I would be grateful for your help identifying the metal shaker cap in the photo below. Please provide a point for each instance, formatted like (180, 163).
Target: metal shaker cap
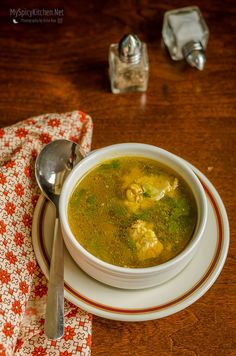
(130, 49)
(194, 54)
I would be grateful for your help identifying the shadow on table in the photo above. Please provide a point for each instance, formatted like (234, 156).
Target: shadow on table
(88, 74)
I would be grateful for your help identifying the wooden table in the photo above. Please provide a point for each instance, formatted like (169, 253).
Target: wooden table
(63, 67)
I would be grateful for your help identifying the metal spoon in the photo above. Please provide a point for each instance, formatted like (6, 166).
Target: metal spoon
(52, 166)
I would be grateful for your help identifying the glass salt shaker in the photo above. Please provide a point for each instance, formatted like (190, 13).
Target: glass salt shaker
(128, 65)
(186, 34)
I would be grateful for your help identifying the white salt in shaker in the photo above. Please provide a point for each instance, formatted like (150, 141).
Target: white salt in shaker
(185, 34)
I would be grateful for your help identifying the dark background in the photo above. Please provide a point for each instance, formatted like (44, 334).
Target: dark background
(63, 67)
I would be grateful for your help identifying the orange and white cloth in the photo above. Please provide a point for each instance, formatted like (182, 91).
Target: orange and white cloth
(23, 287)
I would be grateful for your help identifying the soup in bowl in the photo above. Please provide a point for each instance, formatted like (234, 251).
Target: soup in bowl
(132, 215)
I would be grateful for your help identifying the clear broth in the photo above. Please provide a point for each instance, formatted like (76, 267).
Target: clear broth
(132, 212)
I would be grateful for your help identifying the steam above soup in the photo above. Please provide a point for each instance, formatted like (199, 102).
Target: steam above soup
(132, 212)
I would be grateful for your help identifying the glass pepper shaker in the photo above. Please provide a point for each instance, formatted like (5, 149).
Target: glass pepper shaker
(128, 65)
(185, 34)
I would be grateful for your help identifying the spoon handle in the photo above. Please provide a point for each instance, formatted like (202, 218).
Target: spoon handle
(54, 319)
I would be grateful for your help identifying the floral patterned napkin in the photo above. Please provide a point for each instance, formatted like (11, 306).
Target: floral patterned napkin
(23, 287)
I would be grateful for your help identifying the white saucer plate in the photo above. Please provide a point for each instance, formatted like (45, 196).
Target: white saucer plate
(147, 304)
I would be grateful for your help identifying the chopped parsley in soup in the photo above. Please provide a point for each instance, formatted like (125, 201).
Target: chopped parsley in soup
(132, 212)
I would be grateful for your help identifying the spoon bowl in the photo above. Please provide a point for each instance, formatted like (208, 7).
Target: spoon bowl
(54, 163)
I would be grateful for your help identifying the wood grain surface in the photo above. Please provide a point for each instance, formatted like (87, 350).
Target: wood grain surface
(63, 67)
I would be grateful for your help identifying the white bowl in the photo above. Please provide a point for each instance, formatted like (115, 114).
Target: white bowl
(122, 277)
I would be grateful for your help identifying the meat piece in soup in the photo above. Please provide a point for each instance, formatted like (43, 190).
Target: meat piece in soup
(132, 212)
(147, 244)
